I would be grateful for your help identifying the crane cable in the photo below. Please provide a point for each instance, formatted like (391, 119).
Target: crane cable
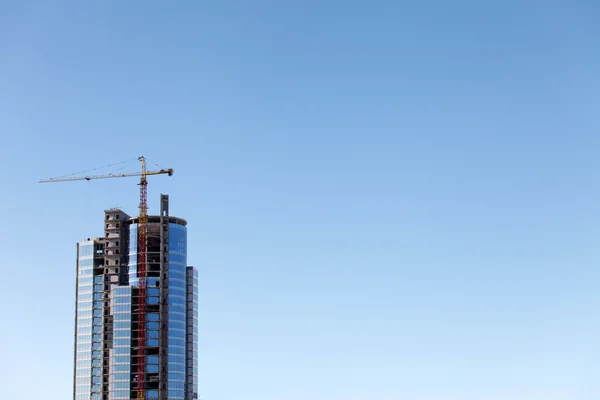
(124, 166)
(152, 162)
(95, 169)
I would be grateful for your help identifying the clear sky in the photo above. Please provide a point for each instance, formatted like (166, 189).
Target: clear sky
(387, 200)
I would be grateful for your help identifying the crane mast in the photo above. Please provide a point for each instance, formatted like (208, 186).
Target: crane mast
(141, 273)
(141, 260)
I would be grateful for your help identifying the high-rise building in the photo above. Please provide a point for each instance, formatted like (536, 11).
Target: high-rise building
(106, 313)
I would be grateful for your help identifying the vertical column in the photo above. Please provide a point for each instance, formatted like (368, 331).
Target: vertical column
(113, 274)
(75, 329)
(191, 351)
(82, 379)
(120, 365)
(176, 304)
(98, 321)
(164, 295)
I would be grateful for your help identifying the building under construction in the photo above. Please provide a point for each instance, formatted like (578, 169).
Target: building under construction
(136, 310)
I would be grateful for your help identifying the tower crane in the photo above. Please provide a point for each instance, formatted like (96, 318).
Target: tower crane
(141, 258)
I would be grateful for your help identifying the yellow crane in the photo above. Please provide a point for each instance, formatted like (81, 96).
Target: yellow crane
(144, 173)
(141, 258)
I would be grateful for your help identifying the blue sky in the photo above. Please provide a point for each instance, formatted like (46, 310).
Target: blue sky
(386, 199)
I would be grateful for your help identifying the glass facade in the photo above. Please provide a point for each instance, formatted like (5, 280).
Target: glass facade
(192, 334)
(97, 342)
(83, 320)
(177, 312)
(133, 240)
(120, 377)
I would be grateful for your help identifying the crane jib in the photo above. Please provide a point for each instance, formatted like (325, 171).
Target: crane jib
(125, 175)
